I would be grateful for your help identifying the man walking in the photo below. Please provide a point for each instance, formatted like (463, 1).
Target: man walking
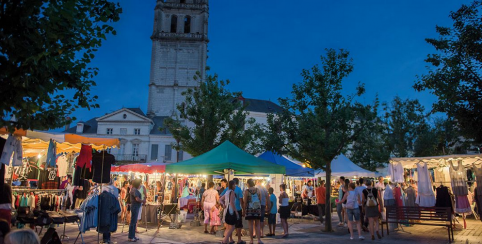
(320, 194)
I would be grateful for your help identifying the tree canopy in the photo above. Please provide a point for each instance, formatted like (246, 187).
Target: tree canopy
(45, 50)
(404, 121)
(210, 115)
(454, 74)
(317, 122)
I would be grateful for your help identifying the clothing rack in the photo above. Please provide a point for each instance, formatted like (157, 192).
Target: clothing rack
(38, 190)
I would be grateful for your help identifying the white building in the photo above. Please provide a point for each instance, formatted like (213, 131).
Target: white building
(179, 47)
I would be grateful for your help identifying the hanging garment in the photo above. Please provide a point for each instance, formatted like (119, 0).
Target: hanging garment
(411, 197)
(478, 202)
(478, 179)
(85, 157)
(109, 210)
(397, 193)
(426, 197)
(442, 175)
(462, 205)
(51, 154)
(48, 179)
(32, 171)
(459, 179)
(13, 145)
(81, 174)
(102, 171)
(396, 172)
(90, 208)
(444, 199)
(62, 164)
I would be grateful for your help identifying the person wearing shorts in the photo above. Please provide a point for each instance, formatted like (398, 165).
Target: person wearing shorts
(353, 200)
(264, 200)
(272, 212)
(209, 198)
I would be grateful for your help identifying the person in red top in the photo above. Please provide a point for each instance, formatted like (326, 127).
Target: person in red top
(320, 194)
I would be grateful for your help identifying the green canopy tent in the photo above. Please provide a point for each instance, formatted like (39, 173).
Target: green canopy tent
(225, 156)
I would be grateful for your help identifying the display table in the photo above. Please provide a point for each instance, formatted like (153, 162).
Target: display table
(184, 200)
(149, 213)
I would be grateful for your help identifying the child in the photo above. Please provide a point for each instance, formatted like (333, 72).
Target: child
(215, 219)
(272, 212)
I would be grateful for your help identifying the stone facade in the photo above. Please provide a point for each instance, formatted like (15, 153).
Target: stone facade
(179, 52)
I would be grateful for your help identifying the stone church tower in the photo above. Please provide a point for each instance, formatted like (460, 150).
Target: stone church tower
(179, 50)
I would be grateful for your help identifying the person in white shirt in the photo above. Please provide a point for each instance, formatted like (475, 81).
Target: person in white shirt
(380, 186)
(359, 191)
(388, 197)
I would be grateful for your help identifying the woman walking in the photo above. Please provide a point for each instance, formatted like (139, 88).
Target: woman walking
(209, 199)
(284, 210)
(230, 213)
(252, 210)
(370, 204)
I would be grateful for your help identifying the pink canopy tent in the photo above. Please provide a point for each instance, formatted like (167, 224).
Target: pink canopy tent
(147, 168)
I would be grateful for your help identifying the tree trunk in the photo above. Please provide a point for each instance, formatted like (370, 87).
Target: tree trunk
(328, 227)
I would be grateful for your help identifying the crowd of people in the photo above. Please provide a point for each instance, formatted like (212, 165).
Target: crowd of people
(227, 204)
(360, 203)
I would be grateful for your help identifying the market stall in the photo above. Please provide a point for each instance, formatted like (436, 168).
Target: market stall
(453, 181)
(226, 159)
(342, 166)
(296, 179)
(225, 156)
(38, 160)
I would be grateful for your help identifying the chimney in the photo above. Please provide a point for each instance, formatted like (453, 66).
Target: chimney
(80, 127)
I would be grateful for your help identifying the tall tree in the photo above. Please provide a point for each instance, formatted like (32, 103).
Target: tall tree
(211, 115)
(318, 123)
(455, 72)
(405, 120)
(369, 150)
(440, 138)
(46, 46)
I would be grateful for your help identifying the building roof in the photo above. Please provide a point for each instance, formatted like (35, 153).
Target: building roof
(137, 111)
(158, 125)
(90, 127)
(262, 106)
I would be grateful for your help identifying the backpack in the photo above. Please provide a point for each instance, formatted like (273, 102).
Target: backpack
(371, 201)
(254, 201)
(351, 200)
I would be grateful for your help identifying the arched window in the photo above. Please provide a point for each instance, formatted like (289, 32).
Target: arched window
(174, 24)
(187, 24)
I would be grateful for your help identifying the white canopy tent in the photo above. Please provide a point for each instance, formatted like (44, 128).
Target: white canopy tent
(436, 161)
(342, 166)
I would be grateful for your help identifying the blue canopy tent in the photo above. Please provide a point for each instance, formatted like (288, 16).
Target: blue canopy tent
(292, 169)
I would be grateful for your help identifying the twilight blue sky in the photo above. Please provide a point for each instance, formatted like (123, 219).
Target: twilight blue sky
(262, 46)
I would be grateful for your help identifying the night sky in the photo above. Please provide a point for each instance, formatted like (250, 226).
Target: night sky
(262, 46)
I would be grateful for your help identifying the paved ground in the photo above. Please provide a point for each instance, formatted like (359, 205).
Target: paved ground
(301, 231)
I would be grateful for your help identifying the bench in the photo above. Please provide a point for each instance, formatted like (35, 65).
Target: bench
(435, 216)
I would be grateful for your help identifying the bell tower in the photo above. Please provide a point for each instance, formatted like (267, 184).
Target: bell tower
(179, 50)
